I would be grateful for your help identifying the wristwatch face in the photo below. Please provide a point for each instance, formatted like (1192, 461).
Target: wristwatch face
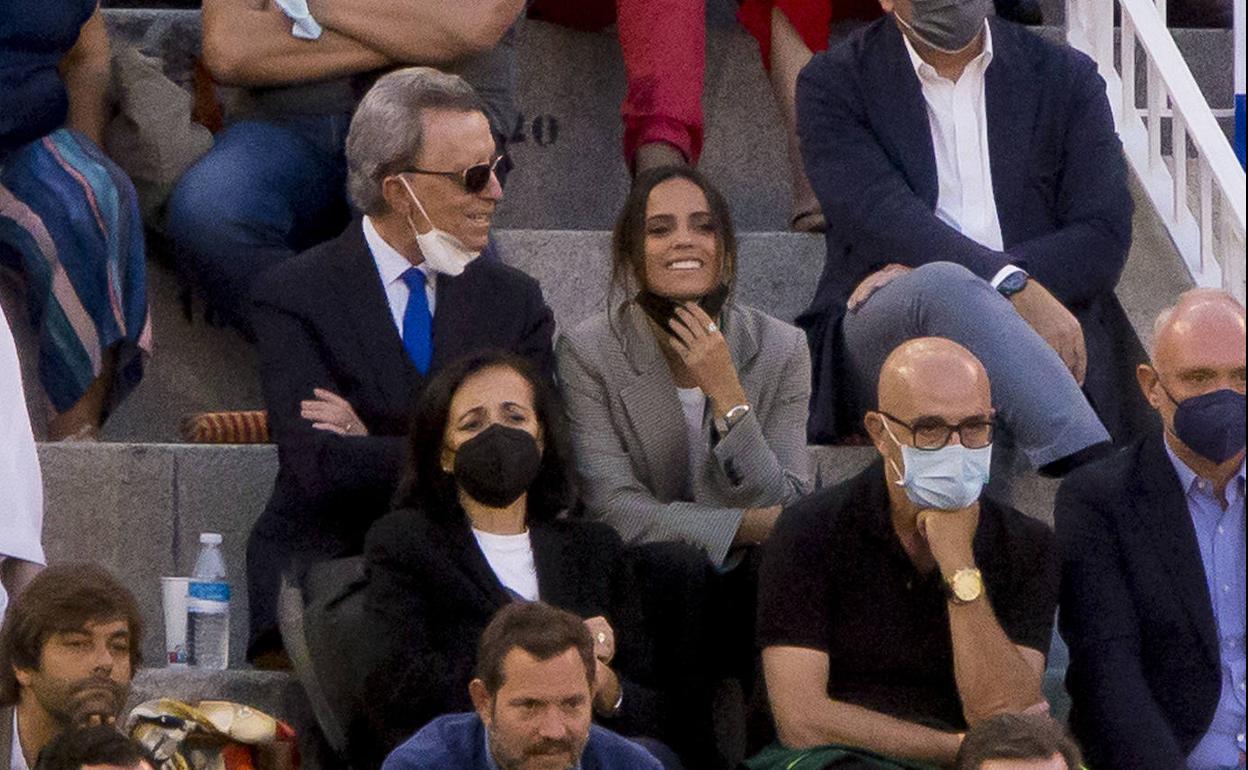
(966, 585)
(1013, 283)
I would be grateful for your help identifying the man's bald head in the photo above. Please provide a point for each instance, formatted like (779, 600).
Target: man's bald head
(924, 384)
(1198, 348)
(931, 372)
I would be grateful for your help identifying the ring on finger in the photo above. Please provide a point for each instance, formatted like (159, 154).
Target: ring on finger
(602, 637)
(348, 426)
(712, 327)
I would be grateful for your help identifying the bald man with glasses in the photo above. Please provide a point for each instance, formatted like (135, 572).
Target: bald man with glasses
(925, 608)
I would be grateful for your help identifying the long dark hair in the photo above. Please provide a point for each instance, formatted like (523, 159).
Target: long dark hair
(628, 241)
(427, 487)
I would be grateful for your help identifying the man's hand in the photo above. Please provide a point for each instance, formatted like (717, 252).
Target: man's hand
(331, 412)
(1055, 324)
(756, 525)
(950, 536)
(873, 283)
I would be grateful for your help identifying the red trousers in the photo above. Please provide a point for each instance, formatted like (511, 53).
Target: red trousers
(664, 48)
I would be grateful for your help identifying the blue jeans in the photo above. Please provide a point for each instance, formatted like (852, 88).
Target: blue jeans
(1036, 398)
(266, 191)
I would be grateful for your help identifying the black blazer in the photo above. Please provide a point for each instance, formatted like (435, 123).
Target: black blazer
(1059, 182)
(431, 594)
(1135, 610)
(321, 320)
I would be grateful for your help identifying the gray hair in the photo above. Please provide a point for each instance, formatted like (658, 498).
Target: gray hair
(386, 132)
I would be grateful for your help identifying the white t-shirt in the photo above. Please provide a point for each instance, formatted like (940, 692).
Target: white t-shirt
(21, 485)
(693, 403)
(17, 760)
(511, 558)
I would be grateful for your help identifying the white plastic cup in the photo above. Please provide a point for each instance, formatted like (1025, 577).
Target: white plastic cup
(173, 592)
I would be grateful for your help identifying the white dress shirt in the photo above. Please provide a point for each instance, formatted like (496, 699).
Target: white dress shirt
(17, 760)
(391, 265)
(958, 117)
(21, 485)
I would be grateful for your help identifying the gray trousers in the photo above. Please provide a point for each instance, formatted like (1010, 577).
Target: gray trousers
(1037, 400)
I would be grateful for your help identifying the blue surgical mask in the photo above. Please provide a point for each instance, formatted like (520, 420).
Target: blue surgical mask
(1211, 424)
(944, 479)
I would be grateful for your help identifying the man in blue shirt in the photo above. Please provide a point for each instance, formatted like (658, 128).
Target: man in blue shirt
(533, 699)
(1152, 540)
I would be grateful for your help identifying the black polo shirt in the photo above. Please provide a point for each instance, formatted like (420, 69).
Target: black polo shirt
(835, 578)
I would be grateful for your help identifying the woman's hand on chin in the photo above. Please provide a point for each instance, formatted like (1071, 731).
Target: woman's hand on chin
(696, 338)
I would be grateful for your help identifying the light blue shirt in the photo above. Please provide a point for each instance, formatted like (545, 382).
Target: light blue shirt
(1220, 535)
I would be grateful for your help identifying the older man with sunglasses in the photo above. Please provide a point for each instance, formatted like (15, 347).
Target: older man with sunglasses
(350, 331)
(924, 608)
(272, 185)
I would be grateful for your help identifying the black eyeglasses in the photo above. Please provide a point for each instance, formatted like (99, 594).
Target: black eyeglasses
(932, 433)
(474, 178)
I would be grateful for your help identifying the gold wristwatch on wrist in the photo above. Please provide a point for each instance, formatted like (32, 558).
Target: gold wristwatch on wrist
(965, 586)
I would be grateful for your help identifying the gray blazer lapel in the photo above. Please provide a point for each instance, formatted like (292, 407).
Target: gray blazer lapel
(652, 406)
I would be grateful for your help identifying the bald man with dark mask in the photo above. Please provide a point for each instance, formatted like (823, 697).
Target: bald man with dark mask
(924, 607)
(1152, 541)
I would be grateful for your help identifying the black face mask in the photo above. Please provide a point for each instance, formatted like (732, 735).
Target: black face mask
(1212, 424)
(497, 465)
(663, 309)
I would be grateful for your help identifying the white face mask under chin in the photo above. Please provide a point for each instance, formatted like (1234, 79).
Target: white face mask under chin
(945, 479)
(443, 252)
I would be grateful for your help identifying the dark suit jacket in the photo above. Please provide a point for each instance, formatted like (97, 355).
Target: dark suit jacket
(431, 594)
(6, 737)
(321, 320)
(1058, 176)
(1144, 674)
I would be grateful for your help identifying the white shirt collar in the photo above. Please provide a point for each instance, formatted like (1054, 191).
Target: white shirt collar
(17, 760)
(391, 265)
(927, 72)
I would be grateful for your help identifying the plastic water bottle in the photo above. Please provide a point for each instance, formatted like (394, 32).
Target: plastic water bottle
(208, 607)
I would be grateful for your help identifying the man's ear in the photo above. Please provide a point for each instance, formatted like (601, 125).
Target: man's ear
(1146, 376)
(874, 423)
(24, 675)
(482, 702)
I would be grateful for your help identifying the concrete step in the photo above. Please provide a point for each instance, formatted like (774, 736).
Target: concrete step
(569, 84)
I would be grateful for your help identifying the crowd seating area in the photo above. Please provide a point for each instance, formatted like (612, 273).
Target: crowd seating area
(137, 502)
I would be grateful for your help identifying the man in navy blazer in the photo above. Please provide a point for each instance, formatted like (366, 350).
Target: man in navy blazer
(1152, 543)
(349, 331)
(968, 142)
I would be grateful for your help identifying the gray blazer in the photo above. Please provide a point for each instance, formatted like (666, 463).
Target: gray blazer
(632, 443)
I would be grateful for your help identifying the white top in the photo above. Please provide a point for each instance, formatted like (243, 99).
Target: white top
(21, 485)
(693, 403)
(391, 265)
(17, 760)
(959, 123)
(511, 558)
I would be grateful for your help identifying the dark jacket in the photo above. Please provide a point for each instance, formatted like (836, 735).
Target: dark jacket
(431, 594)
(321, 320)
(1144, 674)
(1058, 175)
(457, 742)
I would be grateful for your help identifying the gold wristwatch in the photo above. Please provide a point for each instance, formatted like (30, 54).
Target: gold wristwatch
(966, 585)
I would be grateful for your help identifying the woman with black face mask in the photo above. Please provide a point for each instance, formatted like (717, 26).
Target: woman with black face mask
(481, 522)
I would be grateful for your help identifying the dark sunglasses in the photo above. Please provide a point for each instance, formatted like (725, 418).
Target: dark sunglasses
(474, 179)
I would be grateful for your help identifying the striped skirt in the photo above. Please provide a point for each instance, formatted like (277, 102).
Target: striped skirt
(70, 225)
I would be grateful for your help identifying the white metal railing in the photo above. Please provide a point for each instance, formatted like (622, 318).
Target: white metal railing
(1210, 235)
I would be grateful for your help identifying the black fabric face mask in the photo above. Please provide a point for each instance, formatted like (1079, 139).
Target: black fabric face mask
(497, 465)
(663, 309)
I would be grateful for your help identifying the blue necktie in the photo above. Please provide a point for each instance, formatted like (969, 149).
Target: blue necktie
(417, 322)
